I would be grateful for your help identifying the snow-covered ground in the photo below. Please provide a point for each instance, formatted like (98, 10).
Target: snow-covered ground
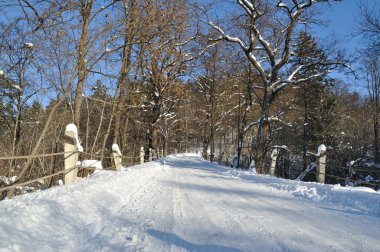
(183, 203)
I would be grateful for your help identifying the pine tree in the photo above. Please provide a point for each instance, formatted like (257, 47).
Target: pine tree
(313, 98)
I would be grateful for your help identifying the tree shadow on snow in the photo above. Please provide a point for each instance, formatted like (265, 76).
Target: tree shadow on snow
(174, 239)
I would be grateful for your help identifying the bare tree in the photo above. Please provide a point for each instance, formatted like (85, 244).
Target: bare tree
(369, 23)
(130, 10)
(162, 59)
(369, 26)
(266, 40)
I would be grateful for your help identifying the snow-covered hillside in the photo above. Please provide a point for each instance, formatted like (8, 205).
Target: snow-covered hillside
(183, 203)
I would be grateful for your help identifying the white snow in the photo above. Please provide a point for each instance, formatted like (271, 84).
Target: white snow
(1, 72)
(28, 45)
(13, 179)
(183, 203)
(92, 163)
(15, 86)
(115, 148)
(321, 148)
(72, 128)
(274, 153)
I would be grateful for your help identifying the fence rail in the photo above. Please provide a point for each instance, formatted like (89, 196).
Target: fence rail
(35, 156)
(324, 169)
(37, 179)
(72, 148)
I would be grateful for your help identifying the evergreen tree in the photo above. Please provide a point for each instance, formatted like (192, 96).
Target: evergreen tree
(313, 99)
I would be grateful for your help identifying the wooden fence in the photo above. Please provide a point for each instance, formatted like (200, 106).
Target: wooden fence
(323, 169)
(72, 166)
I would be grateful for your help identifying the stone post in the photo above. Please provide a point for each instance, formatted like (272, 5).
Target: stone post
(321, 163)
(273, 156)
(142, 155)
(71, 148)
(116, 156)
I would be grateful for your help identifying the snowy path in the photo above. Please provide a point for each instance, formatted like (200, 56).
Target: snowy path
(186, 204)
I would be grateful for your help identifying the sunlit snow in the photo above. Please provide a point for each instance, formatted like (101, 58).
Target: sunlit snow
(184, 203)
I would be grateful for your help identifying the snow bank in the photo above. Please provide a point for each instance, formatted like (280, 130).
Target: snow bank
(359, 198)
(92, 163)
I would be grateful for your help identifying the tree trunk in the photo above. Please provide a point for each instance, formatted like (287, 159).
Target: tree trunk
(29, 161)
(155, 138)
(82, 72)
(124, 135)
(125, 67)
(376, 135)
(305, 126)
(239, 146)
(206, 141)
(204, 150)
(122, 91)
(165, 144)
(212, 151)
(262, 139)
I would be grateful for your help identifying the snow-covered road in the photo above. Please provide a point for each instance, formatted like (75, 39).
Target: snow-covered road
(183, 203)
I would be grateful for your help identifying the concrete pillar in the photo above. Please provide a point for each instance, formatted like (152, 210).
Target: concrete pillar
(142, 155)
(273, 156)
(321, 163)
(116, 153)
(71, 148)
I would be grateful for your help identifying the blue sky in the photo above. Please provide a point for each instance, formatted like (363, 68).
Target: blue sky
(342, 22)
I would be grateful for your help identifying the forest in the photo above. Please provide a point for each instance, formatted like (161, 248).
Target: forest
(231, 80)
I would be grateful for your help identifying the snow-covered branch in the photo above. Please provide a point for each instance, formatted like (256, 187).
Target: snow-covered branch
(279, 85)
(226, 37)
(275, 118)
(250, 125)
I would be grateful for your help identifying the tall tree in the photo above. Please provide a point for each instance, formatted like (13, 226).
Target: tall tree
(162, 59)
(313, 96)
(267, 42)
(369, 26)
(130, 30)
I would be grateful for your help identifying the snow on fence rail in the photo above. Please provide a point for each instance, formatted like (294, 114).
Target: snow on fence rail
(72, 166)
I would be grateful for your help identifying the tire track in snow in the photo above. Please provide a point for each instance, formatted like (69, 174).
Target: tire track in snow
(186, 204)
(127, 228)
(258, 217)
